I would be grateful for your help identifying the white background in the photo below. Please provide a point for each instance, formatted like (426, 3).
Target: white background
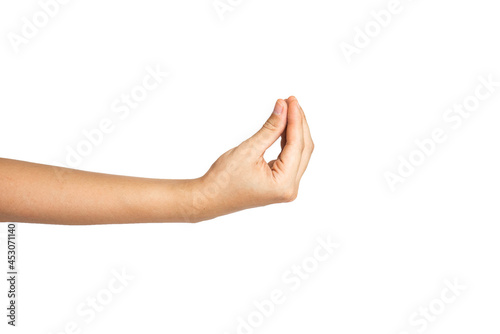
(397, 248)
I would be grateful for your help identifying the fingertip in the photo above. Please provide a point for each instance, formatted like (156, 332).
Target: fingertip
(280, 107)
(293, 105)
(282, 103)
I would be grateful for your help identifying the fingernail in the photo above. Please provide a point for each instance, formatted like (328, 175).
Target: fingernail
(278, 109)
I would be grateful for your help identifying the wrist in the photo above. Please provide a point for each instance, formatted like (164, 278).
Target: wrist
(176, 201)
(201, 203)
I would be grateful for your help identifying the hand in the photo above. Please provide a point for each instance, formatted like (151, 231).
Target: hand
(239, 179)
(242, 179)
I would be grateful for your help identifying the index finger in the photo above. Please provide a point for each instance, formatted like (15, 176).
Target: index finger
(291, 154)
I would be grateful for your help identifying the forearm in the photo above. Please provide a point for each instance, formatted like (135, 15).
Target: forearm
(46, 194)
(240, 179)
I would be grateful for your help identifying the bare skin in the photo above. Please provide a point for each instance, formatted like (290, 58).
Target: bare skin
(240, 179)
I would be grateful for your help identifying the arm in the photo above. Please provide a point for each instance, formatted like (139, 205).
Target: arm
(238, 180)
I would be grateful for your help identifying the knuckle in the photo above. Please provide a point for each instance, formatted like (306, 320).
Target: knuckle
(268, 125)
(310, 146)
(247, 147)
(302, 145)
(289, 194)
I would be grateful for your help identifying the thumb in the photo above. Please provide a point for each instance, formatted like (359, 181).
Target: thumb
(272, 129)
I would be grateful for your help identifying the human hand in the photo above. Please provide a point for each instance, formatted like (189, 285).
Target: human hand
(238, 180)
(242, 179)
